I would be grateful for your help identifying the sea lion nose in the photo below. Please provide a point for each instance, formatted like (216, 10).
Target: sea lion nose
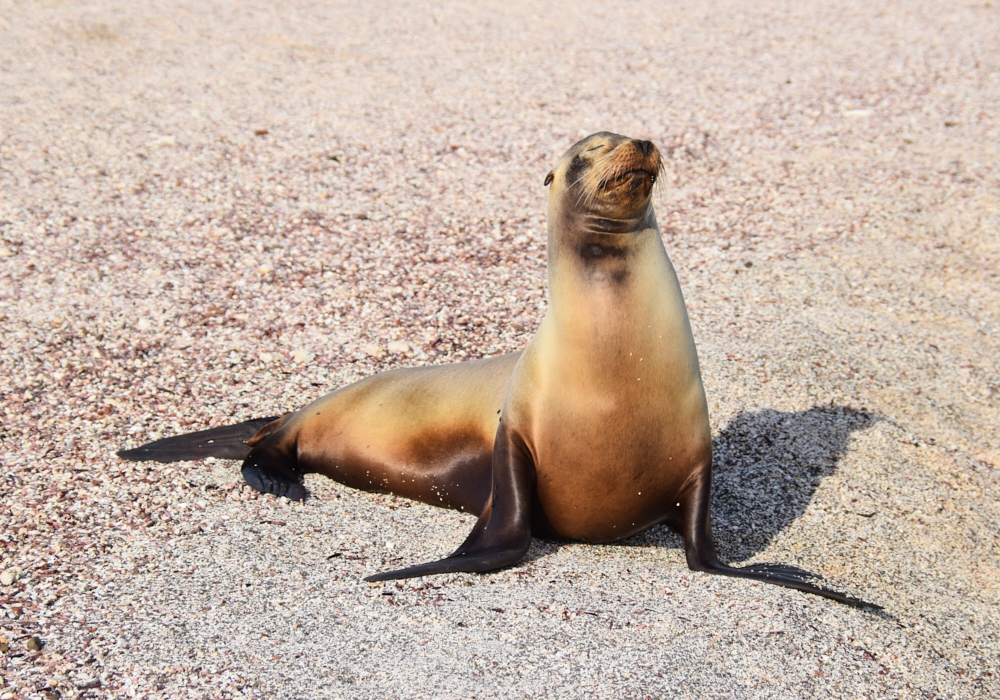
(645, 147)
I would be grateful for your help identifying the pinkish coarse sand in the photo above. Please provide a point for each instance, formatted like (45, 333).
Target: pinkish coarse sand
(212, 211)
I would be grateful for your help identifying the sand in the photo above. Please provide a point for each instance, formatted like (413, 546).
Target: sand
(212, 211)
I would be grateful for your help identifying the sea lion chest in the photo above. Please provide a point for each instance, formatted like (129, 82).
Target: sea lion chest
(615, 419)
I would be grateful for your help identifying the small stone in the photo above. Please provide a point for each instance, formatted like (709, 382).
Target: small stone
(265, 357)
(33, 644)
(301, 356)
(143, 324)
(161, 141)
(87, 683)
(858, 113)
(399, 347)
(991, 457)
(264, 269)
(6, 252)
(9, 576)
(374, 350)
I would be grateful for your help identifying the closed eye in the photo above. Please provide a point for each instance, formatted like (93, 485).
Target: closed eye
(593, 149)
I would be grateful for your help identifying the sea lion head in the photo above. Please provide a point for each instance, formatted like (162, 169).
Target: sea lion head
(604, 183)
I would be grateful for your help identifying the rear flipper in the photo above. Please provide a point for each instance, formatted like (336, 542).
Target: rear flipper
(502, 534)
(270, 470)
(227, 442)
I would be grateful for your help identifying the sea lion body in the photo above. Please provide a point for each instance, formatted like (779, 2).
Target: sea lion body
(597, 431)
(608, 394)
(608, 397)
(424, 433)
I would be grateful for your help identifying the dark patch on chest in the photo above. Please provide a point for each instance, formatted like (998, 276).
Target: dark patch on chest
(603, 261)
(597, 251)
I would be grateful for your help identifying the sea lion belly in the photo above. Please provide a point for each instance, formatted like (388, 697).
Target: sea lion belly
(610, 463)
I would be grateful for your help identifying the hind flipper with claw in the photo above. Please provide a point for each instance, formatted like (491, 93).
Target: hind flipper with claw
(270, 470)
(227, 442)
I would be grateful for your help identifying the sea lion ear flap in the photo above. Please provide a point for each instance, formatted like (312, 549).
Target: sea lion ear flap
(549, 178)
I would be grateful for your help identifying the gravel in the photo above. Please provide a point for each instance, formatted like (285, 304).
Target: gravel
(212, 211)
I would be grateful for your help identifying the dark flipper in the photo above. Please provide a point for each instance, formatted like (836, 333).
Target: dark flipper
(502, 534)
(227, 442)
(701, 555)
(778, 575)
(270, 470)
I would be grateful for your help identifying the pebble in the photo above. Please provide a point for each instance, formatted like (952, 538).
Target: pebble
(301, 356)
(9, 576)
(33, 644)
(163, 141)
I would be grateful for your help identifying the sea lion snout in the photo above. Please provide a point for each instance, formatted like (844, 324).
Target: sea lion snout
(644, 161)
(624, 159)
(607, 176)
(645, 147)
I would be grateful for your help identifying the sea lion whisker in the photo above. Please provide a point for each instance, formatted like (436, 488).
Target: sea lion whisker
(599, 167)
(659, 184)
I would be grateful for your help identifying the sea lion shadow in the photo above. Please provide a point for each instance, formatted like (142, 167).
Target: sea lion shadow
(767, 466)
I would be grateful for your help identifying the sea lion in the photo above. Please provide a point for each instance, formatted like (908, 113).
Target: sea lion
(597, 431)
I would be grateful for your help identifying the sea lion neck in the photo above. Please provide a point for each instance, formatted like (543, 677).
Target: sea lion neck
(593, 243)
(603, 241)
(587, 222)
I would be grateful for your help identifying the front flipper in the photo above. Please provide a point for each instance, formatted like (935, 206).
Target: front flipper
(270, 470)
(502, 534)
(781, 575)
(701, 554)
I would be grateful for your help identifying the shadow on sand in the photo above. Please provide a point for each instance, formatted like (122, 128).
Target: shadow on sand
(767, 466)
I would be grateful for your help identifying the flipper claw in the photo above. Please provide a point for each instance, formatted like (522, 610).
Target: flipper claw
(266, 481)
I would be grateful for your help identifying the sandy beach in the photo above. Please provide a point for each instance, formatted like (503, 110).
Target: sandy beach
(216, 211)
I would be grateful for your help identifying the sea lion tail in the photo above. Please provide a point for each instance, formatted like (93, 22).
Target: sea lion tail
(227, 442)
